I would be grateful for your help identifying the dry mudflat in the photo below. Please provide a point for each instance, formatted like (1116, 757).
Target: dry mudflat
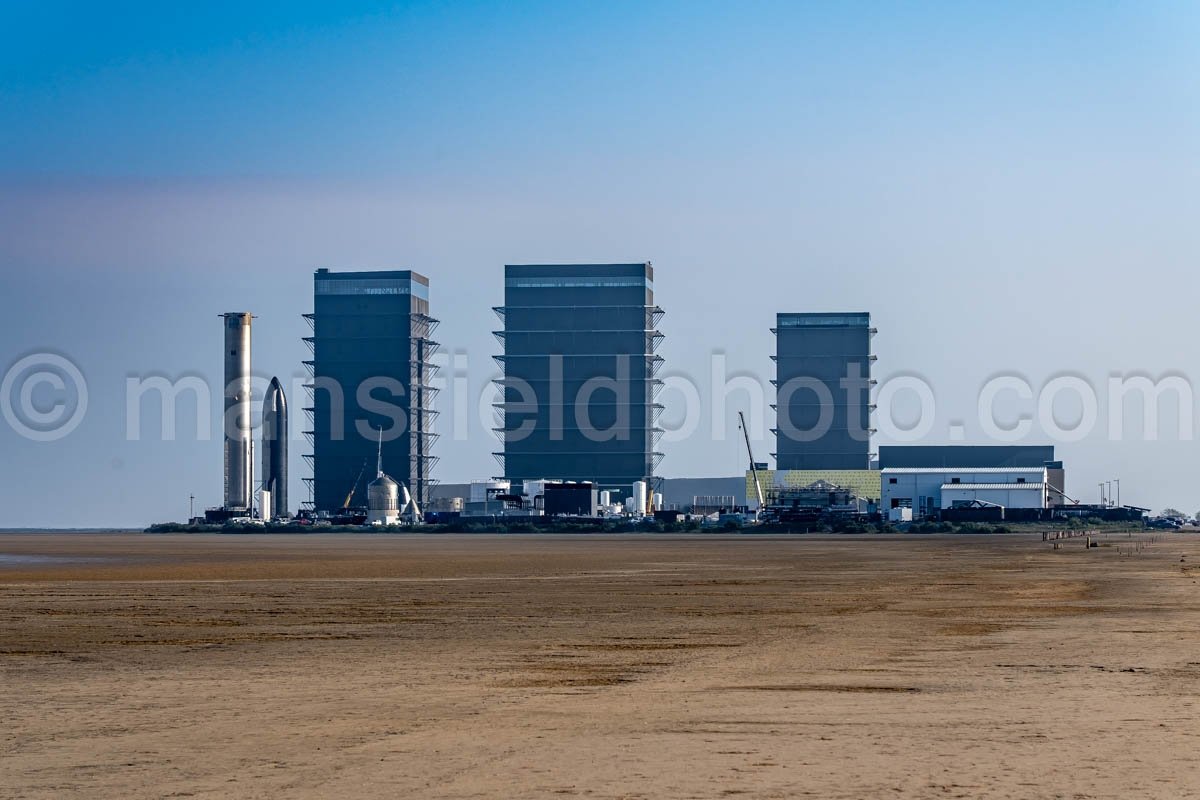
(138, 666)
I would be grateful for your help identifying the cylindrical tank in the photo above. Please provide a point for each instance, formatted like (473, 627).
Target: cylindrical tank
(383, 501)
(606, 498)
(639, 496)
(274, 451)
(237, 422)
(658, 501)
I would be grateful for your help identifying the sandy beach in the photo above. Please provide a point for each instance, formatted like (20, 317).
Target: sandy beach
(317, 666)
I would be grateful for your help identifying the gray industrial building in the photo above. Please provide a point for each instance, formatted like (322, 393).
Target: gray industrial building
(823, 390)
(580, 371)
(971, 456)
(677, 492)
(960, 456)
(371, 369)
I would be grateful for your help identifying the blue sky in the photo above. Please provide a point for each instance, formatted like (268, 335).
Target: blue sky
(477, 90)
(1006, 187)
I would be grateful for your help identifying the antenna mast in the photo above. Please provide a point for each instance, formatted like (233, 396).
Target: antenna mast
(379, 458)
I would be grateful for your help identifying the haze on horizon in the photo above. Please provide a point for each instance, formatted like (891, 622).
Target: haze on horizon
(1008, 190)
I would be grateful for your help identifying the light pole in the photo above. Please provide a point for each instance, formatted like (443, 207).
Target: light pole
(1117, 481)
(1103, 500)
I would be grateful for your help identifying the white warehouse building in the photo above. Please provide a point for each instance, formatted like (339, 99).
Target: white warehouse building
(928, 489)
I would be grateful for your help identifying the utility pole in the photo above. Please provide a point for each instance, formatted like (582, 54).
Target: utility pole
(1103, 499)
(1117, 481)
(191, 507)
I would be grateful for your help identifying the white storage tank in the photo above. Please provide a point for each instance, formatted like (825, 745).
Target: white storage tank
(658, 501)
(640, 497)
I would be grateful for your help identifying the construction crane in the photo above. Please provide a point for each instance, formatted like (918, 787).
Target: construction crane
(753, 467)
(651, 490)
(354, 488)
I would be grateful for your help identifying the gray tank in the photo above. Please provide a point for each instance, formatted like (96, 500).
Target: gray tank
(275, 449)
(239, 491)
(383, 494)
(383, 497)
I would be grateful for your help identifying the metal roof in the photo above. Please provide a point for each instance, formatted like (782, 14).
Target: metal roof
(975, 486)
(963, 470)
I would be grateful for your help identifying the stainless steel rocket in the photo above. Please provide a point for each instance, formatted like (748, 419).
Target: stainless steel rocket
(239, 493)
(274, 450)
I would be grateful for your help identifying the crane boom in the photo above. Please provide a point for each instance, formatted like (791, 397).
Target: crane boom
(753, 466)
(354, 488)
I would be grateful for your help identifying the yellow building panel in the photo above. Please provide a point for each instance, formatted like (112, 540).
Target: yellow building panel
(865, 483)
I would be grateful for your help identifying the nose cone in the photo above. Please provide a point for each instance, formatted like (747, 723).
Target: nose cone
(274, 399)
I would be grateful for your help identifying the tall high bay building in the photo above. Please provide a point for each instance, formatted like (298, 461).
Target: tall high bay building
(371, 369)
(823, 390)
(580, 371)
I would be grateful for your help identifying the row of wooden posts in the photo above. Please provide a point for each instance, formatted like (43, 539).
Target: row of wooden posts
(1050, 536)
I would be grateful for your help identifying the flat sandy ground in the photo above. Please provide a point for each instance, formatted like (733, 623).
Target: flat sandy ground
(607, 667)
